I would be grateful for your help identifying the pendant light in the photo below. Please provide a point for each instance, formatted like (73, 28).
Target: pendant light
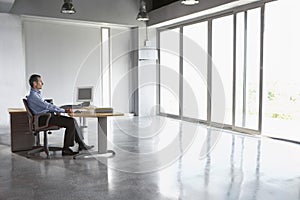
(142, 15)
(189, 2)
(67, 7)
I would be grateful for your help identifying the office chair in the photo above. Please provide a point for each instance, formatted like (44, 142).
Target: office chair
(38, 123)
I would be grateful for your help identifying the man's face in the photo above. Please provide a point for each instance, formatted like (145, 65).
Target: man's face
(38, 84)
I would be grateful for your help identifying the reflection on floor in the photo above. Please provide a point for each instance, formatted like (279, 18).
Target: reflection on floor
(157, 158)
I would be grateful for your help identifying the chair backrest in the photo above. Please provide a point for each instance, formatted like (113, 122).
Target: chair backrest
(30, 115)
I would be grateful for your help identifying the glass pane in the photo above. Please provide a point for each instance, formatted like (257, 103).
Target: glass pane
(253, 66)
(281, 103)
(240, 59)
(247, 70)
(195, 71)
(222, 57)
(169, 71)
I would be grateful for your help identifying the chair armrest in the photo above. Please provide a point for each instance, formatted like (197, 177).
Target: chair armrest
(41, 121)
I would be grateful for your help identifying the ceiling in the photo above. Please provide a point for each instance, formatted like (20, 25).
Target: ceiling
(5, 5)
(120, 12)
(160, 3)
(90, 10)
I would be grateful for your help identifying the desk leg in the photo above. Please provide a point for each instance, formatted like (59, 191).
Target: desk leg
(84, 128)
(102, 142)
(102, 134)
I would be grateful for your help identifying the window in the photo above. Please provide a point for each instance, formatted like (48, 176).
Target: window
(239, 56)
(222, 70)
(247, 69)
(281, 99)
(169, 71)
(195, 70)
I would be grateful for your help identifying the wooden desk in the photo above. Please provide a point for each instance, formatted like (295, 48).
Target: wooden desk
(20, 136)
(102, 132)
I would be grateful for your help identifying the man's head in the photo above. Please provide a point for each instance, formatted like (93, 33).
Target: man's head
(35, 81)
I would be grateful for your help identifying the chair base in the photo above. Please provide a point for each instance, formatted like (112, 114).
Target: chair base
(39, 149)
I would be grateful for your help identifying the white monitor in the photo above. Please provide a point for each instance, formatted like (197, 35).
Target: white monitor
(85, 94)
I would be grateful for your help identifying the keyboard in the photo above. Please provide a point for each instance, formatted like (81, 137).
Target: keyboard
(76, 106)
(71, 106)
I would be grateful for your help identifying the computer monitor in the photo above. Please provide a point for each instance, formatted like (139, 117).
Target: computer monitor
(85, 94)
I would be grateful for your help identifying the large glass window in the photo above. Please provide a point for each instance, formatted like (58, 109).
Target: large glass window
(281, 99)
(240, 69)
(169, 71)
(195, 71)
(222, 70)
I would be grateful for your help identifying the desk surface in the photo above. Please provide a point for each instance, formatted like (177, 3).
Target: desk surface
(91, 114)
(88, 113)
(16, 110)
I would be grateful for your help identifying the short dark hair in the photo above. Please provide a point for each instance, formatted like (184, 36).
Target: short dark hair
(33, 78)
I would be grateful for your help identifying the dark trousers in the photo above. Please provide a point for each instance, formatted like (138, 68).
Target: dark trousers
(72, 131)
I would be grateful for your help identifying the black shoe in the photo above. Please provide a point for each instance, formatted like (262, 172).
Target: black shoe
(85, 147)
(68, 152)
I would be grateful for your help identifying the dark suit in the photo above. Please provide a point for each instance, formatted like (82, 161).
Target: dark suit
(72, 131)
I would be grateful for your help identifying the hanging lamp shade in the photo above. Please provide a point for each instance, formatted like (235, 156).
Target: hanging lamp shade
(67, 7)
(189, 2)
(142, 15)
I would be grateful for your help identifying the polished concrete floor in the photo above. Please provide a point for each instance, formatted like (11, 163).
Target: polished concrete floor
(157, 158)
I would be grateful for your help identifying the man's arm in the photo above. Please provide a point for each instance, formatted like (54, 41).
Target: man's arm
(38, 105)
(54, 108)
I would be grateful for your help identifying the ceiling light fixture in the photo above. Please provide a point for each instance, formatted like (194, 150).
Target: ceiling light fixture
(142, 15)
(67, 7)
(189, 2)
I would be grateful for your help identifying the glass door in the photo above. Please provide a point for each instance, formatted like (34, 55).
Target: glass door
(195, 42)
(247, 71)
(169, 71)
(222, 70)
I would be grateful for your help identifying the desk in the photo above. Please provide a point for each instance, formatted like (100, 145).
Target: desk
(102, 131)
(20, 136)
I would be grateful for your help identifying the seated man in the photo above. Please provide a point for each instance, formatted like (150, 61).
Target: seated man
(38, 106)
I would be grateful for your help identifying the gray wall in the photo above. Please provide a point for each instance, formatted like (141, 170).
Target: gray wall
(12, 65)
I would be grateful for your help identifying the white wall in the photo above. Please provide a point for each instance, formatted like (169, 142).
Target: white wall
(12, 65)
(147, 79)
(65, 54)
(121, 61)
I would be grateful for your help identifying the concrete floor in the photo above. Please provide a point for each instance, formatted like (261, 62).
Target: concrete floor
(157, 158)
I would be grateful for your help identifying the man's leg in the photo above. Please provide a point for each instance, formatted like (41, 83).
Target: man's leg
(69, 124)
(79, 138)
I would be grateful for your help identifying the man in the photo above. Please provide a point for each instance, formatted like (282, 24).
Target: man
(37, 105)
